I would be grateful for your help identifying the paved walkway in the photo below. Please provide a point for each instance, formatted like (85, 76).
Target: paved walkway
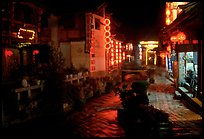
(98, 118)
(185, 121)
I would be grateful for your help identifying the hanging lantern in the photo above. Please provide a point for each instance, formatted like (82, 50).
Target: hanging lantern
(162, 54)
(107, 40)
(169, 48)
(174, 38)
(107, 28)
(108, 46)
(107, 22)
(107, 34)
(8, 53)
(181, 36)
(35, 52)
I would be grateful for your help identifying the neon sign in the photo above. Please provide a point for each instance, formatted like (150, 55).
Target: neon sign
(26, 33)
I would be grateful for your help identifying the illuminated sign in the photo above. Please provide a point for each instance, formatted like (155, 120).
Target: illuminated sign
(149, 44)
(19, 45)
(26, 34)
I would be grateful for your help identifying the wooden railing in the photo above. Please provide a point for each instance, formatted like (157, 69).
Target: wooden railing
(29, 90)
(76, 77)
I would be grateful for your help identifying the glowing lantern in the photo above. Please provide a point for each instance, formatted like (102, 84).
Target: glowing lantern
(35, 52)
(181, 36)
(169, 48)
(107, 46)
(8, 53)
(107, 28)
(162, 55)
(174, 38)
(107, 22)
(107, 34)
(107, 40)
(168, 21)
(168, 12)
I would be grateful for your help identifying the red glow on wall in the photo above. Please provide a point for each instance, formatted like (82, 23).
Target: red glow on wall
(8, 53)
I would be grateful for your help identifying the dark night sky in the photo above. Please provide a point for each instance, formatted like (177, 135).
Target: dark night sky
(138, 19)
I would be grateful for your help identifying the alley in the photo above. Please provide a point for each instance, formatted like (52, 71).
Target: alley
(99, 116)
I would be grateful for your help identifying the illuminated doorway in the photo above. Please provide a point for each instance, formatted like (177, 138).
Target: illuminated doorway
(151, 58)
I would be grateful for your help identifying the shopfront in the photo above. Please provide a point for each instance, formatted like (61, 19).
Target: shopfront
(188, 65)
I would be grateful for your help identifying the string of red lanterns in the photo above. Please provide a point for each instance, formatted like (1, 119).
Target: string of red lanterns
(107, 34)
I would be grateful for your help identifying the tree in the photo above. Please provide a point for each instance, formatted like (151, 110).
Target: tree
(53, 74)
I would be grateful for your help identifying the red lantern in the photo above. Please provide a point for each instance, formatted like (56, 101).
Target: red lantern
(181, 36)
(174, 38)
(108, 46)
(35, 52)
(107, 34)
(8, 53)
(107, 22)
(107, 40)
(107, 28)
